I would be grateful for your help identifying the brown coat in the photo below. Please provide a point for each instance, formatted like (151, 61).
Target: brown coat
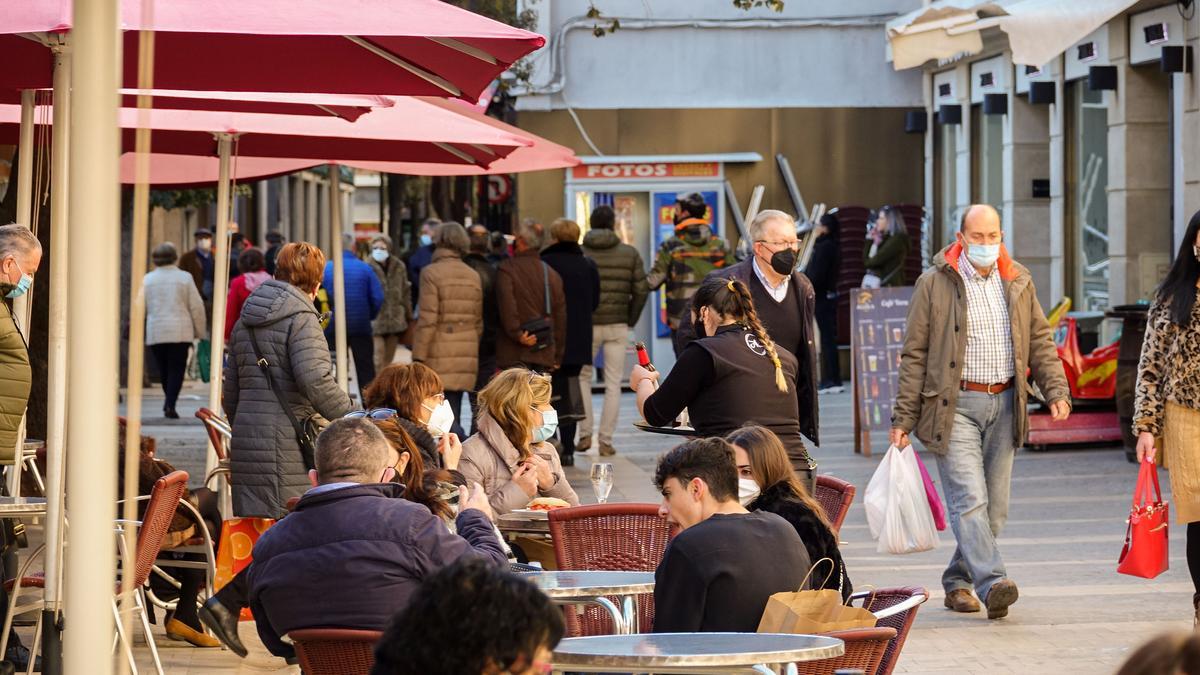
(488, 458)
(520, 294)
(931, 364)
(450, 320)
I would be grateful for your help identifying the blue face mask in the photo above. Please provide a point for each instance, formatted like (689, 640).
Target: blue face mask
(426, 240)
(549, 426)
(983, 255)
(22, 285)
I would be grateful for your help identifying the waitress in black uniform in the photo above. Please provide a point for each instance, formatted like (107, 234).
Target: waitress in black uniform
(729, 376)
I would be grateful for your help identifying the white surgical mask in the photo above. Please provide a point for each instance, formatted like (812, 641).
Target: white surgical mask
(204, 244)
(549, 426)
(747, 490)
(426, 240)
(379, 254)
(983, 255)
(441, 419)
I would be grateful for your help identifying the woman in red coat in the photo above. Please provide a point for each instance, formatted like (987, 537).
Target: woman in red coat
(252, 266)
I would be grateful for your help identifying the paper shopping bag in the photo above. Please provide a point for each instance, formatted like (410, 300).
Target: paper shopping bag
(1145, 551)
(811, 612)
(234, 549)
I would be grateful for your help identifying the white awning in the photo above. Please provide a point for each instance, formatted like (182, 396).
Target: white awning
(1038, 30)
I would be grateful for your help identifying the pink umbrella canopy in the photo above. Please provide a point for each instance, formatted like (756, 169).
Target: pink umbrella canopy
(399, 47)
(345, 106)
(413, 129)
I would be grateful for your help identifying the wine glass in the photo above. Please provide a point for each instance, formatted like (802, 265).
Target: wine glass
(602, 481)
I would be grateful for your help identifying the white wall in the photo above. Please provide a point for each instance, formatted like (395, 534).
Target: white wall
(816, 53)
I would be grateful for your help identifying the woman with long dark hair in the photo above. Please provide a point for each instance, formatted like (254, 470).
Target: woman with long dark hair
(886, 250)
(731, 373)
(1167, 400)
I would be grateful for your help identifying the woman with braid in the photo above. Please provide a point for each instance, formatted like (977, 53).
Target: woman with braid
(730, 375)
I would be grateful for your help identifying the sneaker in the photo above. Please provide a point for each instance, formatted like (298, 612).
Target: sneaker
(607, 450)
(584, 444)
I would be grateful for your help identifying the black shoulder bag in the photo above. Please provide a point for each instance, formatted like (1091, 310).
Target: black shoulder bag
(306, 432)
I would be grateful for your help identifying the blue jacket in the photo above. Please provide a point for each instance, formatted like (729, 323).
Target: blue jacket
(364, 294)
(352, 557)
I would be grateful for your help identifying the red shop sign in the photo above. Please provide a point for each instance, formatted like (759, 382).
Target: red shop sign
(647, 170)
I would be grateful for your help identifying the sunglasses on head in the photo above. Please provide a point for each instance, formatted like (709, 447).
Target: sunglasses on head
(373, 413)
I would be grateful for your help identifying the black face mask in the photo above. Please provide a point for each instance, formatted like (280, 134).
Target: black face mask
(783, 262)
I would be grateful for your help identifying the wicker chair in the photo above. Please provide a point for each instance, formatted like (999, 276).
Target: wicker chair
(335, 651)
(835, 495)
(865, 648)
(895, 608)
(619, 537)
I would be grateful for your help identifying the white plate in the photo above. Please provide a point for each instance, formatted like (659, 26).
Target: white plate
(531, 514)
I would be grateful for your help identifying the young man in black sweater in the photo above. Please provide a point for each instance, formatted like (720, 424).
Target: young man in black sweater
(724, 564)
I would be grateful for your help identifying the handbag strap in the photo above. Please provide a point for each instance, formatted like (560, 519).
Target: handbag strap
(1147, 476)
(546, 286)
(265, 366)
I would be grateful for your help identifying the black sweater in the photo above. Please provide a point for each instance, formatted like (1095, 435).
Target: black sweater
(819, 540)
(717, 575)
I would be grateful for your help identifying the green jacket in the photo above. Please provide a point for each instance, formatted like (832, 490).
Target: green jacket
(15, 379)
(623, 288)
(682, 263)
(888, 261)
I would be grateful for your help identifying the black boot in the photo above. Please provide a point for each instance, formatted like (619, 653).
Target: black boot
(223, 624)
(567, 459)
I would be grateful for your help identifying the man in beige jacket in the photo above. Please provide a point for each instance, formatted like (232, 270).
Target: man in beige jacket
(974, 326)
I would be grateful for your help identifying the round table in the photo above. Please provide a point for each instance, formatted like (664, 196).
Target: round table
(575, 587)
(692, 652)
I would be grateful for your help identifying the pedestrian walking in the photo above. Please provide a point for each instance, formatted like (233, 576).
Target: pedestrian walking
(422, 255)
(280, 326)
(886, 250)
(274, 244)
(784, 301)
(823, 269)
(974, 327)
(251, 264)
(364, 300)
(623, 293)
(450, 317)
(685, 259)
(581, 286)
(732, 372)
(391, 323)
(1167, 395)
(533, 313)
(174, 318)
(480, 260)
(199, 263)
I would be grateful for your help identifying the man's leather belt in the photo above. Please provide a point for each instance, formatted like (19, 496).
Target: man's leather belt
(986, 388)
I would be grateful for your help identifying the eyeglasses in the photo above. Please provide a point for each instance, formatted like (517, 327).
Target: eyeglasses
(793, 244)
(373, 413)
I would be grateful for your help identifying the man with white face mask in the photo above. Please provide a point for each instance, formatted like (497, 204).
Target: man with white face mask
(974, 326)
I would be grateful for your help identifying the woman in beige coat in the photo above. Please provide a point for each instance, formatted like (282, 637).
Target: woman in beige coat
(450, 317)
(510, 456)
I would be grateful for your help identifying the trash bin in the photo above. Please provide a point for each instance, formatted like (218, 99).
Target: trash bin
(1133, 329)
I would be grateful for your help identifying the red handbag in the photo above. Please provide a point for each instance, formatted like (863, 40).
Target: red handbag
(1145, 552)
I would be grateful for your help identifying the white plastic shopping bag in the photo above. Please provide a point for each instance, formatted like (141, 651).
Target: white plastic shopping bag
(897, 508)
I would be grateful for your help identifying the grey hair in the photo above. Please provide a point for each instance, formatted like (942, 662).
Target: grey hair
(384, 238)
(763, 217)
(17, 241)
(895, 220)
(453, 236)
(351, 450)
(164, 254)
(348, 241)
(530, 232)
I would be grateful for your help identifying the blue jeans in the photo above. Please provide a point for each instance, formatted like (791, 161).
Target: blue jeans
(976, 474)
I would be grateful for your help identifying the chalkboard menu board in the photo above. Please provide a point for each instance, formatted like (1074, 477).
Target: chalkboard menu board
(878, 318)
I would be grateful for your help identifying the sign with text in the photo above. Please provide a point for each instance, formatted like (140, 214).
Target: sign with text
(647, 171)
(878, 318)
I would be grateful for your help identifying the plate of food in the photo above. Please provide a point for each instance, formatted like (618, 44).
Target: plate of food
(539, 507)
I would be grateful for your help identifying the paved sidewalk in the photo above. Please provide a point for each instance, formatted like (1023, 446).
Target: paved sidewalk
(1075, 615)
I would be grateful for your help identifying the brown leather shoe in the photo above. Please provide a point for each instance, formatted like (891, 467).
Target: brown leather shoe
(1002, 594)
(961, 600)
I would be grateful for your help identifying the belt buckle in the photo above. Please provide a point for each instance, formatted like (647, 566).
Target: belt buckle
(989, 390)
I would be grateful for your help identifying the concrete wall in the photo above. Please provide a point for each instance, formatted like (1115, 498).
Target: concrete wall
(839, 156)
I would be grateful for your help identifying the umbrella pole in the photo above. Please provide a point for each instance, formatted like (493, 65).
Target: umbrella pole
(21, 306)
(220, 285)
(339, 278)
(57, 366)
(94, 328)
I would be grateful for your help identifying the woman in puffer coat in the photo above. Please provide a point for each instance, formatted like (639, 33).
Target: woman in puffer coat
(450, 317)
(268, 468)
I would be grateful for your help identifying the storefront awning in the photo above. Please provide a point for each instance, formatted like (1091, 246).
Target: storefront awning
(1038, 30)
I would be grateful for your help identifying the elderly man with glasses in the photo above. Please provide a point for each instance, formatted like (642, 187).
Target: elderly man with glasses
(785, 303)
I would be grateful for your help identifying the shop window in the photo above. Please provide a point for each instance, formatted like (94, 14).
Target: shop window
(1087, 205)
(987, 158)
(945, 194)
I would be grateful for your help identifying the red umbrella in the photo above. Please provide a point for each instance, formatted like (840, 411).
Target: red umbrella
(345, 106)
(399, 47)
(414, 128)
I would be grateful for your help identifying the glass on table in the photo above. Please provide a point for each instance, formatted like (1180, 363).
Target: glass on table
(602, 481)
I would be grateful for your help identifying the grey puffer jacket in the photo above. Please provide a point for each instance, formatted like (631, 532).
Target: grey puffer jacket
(623, 287)
(267, 466)
(397, 297)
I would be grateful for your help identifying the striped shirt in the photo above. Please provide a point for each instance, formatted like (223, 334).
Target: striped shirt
(989, 357)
